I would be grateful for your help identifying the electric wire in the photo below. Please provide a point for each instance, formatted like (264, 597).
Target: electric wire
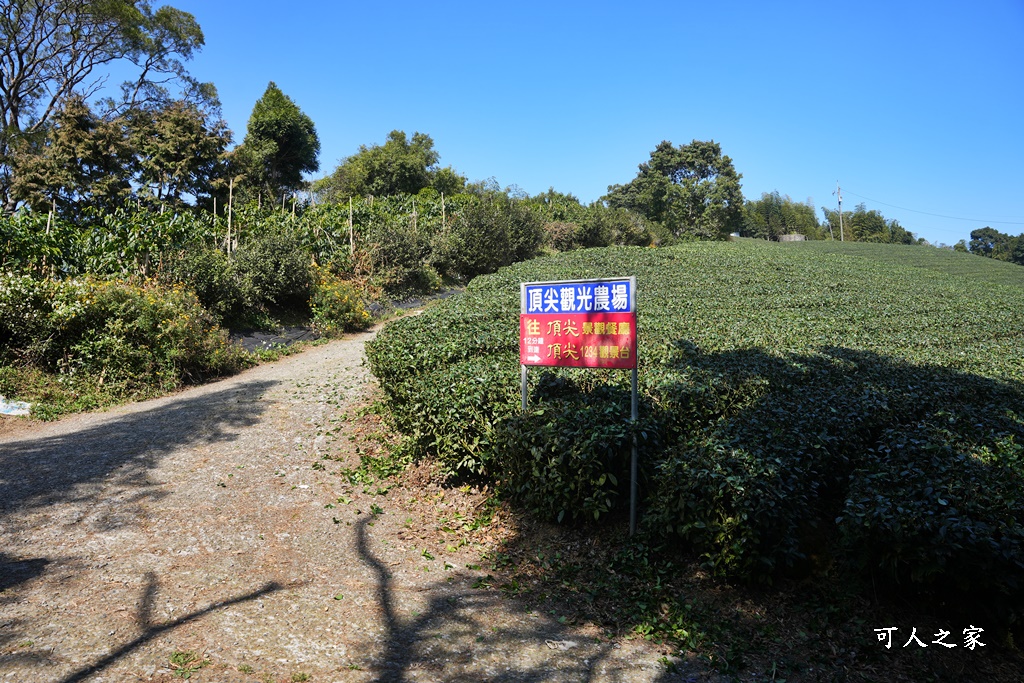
(936, 215)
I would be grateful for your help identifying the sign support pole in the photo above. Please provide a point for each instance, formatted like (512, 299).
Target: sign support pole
(632, 463)
(523, 372)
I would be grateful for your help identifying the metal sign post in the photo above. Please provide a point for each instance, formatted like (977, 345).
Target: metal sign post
(582, 324)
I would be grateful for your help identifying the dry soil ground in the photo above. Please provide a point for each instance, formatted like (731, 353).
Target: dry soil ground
(219, 534)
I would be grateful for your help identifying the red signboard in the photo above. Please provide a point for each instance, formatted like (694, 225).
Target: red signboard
(578, 340)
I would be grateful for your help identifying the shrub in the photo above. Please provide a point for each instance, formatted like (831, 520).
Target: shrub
(337, 305)
(211, 275)
(805, 410)
(398, 257)
(568, 456)
(274, 270)
(561, 235)
(133, 339)
(488, 233)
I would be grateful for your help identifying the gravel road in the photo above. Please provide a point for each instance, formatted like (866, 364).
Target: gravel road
(214, 534)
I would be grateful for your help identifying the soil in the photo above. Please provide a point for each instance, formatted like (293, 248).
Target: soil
(226, 533)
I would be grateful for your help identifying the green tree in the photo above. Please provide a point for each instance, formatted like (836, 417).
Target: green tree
(180, 150)
(692, 190)
(993, 244)
(54, 48)
(280, 145)
(77, 160)
(399, 166)
(773, 215)
(1017, 255)
(862, 225)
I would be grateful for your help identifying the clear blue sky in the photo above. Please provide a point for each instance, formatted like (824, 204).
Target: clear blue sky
(916, 105)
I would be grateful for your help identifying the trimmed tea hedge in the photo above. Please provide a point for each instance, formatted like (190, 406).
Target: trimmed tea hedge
(799, 408)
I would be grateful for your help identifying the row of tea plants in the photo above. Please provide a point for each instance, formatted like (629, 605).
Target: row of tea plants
(802, 412)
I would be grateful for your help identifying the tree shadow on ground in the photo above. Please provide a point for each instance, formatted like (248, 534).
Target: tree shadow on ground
(151, 630)
(847, 466)
(454, 638)
(72, 467)
(79, 467)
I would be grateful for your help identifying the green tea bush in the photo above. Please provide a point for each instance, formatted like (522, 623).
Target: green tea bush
(804, 410)
(568, 457)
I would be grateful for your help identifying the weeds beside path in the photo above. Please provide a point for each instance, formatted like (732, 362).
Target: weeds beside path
(225, 533)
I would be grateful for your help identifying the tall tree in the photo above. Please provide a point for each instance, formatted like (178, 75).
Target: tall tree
(774, 215)
(994, 244)
(400, 166)
(54, 48)
(692, 190)
(280, 145)
(79, 159)
(180, 150)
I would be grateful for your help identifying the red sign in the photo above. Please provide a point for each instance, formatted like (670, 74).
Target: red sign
(578, 340)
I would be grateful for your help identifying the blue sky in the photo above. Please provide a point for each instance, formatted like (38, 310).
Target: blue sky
(907, 104)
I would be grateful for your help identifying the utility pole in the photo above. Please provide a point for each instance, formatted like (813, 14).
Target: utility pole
(839, 193)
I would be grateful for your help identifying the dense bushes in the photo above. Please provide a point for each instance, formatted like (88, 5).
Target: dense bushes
(487, 234)
(274, 270)
(801, 411)
(337, 305)
(130, 339)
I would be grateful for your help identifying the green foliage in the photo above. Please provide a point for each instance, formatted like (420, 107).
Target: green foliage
(211, 276)
(942, 261)
(488, 233)
(280, 145)
(399, 166)
(56, 49)
(803, 408)
(78, 160)
(600, 226)
(337, 305)
(862, 225)
(180, 151)
(39, 243)
(773, 215)
(129, 339)
(569, 458)
(996, 245)
(692, 190)
(274, 269)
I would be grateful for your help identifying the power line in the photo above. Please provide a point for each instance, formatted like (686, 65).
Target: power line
(936, 215)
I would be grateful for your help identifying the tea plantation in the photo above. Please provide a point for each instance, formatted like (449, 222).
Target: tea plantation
(803, 410)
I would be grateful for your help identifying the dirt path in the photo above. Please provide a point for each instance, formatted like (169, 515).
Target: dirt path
(225, 522)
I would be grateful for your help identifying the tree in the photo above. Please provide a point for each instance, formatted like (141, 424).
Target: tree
(773, 215)
(1017, 255)
(78, 159)
(180, 151)
(280, 145)
(399, 166)
(862, 225)
(993, 244)
(692, 190)
(52, 49)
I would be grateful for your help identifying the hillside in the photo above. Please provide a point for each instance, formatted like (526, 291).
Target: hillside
(806, 411)
(939, 260)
